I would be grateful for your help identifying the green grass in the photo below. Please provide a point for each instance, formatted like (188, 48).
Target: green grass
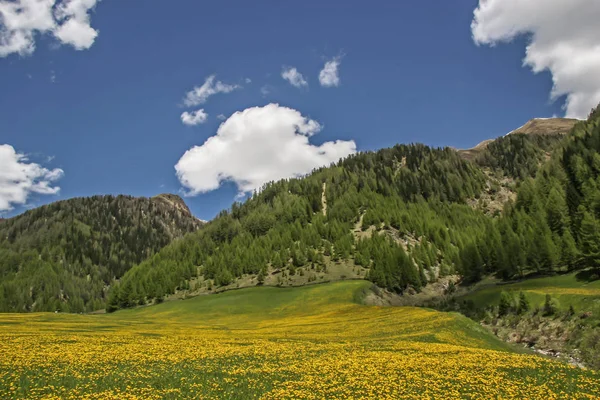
(567, 289)
(272, 343)
(258, 302)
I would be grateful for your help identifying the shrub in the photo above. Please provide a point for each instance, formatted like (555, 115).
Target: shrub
(550, 306)
(506, 305)
(523, 303)
(590, 348)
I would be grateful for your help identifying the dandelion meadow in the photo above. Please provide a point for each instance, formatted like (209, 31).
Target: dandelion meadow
(313, 342)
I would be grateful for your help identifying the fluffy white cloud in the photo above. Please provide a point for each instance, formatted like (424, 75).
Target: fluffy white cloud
(22, 20)
(294, 77)
(200, 94)
(329, 75)
(194, 117)
(20, 178)
(75, 28)
(255, 146)
(222, 117)
(564, 39)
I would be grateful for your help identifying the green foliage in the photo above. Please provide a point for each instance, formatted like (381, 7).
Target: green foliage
(261, 276)
(409, 203)
(553, 225)
(518, 155)
(506, 305)
(401, 213)
(415, 189)
(550, 306)
(589, 239)
(61, 257)
(524, 305)
(590, 348)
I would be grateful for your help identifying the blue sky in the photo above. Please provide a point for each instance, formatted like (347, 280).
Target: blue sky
(109, 115)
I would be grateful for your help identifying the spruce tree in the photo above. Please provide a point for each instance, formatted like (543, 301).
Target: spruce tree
(523, 303)
(589, 239)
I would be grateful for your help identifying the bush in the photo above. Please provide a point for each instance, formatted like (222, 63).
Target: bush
(523, 303)
(590, 348)
(550, 306)
(506, 305)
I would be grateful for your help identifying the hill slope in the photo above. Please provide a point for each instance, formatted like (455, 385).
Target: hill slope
(546, 126)
(63, 255)
(399, 217)
(378, 206)
(556, 127)
(271, 343)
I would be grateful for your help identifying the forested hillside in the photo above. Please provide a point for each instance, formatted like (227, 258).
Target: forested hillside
(518, 155)
(409, 205)
(409, 201)
(400, 217)
(554, 223)
(64, 255)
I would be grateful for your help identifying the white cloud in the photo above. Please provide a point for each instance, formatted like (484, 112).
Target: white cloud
(20, 178)
(222, 117)
(200, 94)
(265, 90)
(248, 80)
(194, 117)
(329, 75)
(75, 28)
(294, 77)
(22, 20)
(564, 39)
(255, 146)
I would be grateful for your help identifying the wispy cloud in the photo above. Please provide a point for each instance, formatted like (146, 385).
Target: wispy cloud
(193, 118)
(200, 94)
(294, 77)
(329, 75)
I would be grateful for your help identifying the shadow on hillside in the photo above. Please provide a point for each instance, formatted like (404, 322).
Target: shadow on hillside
(588, 275)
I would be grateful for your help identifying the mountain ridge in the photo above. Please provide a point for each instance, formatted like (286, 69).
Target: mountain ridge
(400, 217)
(64, 255)
(535, 126)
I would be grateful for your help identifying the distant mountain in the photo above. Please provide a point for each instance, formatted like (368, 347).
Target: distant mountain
(62, 256)
(546, 126)
(536, 126)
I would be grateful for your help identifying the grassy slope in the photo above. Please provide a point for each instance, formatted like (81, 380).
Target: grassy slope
(570, 289)
(251, 308)
(307, 342)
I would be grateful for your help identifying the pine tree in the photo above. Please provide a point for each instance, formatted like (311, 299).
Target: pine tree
(589, 240)
(261, 276)
(523, 303)
(506, 304)
(569, 251)
(549, 306)
(557, 211)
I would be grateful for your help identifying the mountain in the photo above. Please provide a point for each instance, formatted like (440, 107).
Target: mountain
(546, 126)
(397, 216)
(401, 217)
(64, 255)
(536, 126)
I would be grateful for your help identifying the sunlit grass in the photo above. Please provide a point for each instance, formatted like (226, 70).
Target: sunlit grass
(310, 342)
(567, 289)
